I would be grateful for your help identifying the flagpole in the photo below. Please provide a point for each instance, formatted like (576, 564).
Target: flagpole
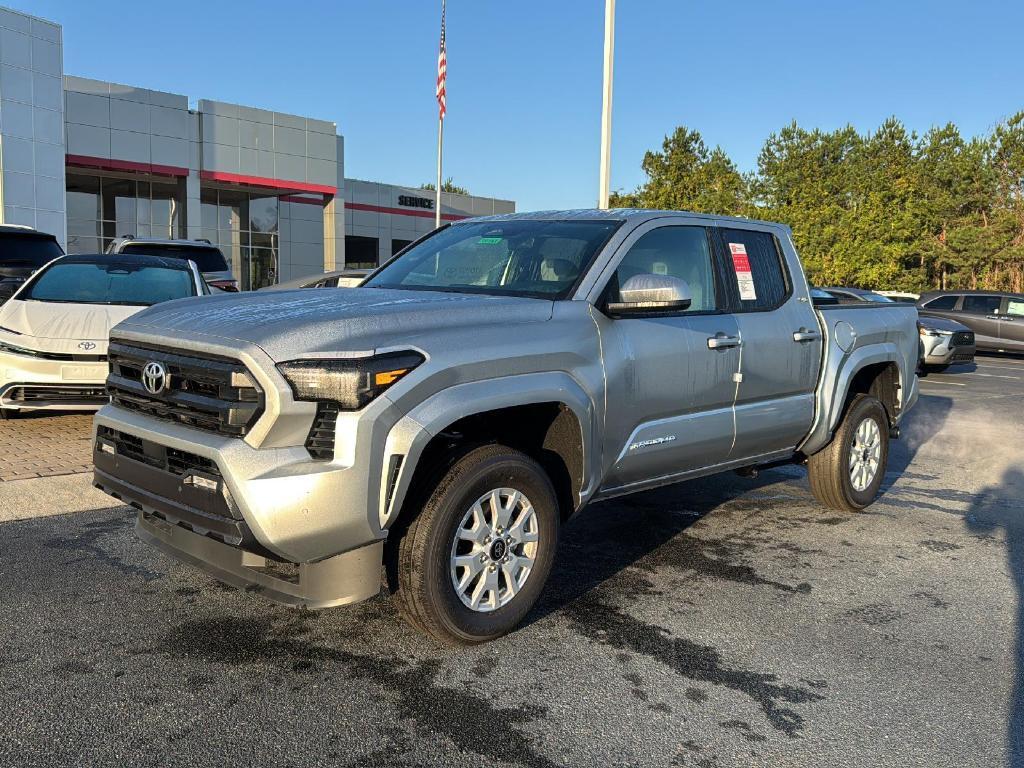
(440, 144)
(606, 105)
(442, 78)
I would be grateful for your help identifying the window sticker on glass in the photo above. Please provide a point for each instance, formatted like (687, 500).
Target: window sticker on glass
(1015, 308)
(489, 240)
(744, 277)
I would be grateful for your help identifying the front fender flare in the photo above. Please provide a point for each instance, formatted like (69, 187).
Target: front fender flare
(408, 438)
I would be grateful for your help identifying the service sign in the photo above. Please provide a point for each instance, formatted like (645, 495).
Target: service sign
(744, 277)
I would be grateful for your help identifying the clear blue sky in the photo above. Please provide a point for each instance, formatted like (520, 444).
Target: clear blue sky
(524, 86)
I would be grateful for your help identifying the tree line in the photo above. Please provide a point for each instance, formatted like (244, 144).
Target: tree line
(887, 209)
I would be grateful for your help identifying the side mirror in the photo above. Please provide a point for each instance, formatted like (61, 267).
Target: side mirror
(651, 295)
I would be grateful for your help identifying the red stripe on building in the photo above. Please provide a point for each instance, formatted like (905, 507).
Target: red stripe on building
(107, 164)
(267, 183)
(403, 211)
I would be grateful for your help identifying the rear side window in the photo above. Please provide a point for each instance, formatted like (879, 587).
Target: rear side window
(1015, 307)
(27, 250)
(207, 259)
(943, 302)
(982, 305)
(756, 262)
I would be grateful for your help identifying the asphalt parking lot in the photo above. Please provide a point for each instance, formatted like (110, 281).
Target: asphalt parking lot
(725, 622)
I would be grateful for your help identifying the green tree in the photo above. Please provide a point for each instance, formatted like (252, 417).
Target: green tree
(685, 175)
(446, 186)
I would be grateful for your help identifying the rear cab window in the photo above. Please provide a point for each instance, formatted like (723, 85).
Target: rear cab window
(754, 259)
(208, 258)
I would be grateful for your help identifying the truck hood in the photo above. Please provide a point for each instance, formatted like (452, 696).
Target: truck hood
(290, 324)
(57, 327)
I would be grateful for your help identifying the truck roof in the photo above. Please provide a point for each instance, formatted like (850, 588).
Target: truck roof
(615, 214)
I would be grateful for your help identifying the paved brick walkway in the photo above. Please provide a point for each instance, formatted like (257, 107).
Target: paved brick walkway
(41, 445)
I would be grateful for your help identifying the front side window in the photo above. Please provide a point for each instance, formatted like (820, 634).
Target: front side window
(681, 252)
(109, 283)
(982, 305)
(542, 259)
(757, 263)
(943, 302)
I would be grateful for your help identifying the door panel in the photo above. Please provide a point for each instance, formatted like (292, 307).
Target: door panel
(670, 394)
(981, 315)
(672, 401)
(1011, 324)
(781, 350)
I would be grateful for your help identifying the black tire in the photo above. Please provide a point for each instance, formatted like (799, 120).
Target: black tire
(829, 469)
(8, 413)
(936, 368)
(419, 567)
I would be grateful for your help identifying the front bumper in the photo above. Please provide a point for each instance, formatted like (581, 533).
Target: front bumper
(28, 383)
(281, 501)
(341, 580)
(941, 351)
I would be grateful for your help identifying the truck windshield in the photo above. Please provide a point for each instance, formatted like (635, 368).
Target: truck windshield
(27, 249)
(109, 283)
(542, 259)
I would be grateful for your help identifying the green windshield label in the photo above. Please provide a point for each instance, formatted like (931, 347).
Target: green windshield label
(489, 240)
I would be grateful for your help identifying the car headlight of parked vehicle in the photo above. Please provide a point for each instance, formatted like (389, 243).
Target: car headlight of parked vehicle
(351, 382)
(12, 349)
(933, 332)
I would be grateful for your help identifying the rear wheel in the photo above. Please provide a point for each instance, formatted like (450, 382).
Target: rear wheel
(847, 474)
(472, 563)
(8, 413)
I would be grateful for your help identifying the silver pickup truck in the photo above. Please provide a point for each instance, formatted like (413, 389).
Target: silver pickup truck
(446, 418)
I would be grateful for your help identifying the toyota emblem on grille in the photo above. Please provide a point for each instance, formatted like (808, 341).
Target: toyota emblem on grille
(87, 345)
(154, 377)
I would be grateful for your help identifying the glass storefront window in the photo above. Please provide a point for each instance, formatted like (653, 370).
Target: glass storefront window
(102, 207)
(244, 225)
(263, 214)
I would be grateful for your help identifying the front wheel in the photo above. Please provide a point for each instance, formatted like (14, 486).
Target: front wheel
(472, 563)
(847, 474)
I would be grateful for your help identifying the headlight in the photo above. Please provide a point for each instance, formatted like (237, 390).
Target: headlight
(934, 332)
(350, 382)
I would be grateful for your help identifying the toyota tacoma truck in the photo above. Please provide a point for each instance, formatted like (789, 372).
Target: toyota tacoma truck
(446, 418)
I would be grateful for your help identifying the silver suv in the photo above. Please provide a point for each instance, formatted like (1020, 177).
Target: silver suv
(208, 257)
(448, 416)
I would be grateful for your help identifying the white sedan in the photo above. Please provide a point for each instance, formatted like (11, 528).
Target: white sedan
(54, 329)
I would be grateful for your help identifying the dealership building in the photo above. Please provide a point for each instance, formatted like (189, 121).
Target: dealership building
(89, 161)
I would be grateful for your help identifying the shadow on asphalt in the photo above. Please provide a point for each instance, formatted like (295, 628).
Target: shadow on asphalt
(993, 510)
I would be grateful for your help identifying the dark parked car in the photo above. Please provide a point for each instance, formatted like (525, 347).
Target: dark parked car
(996, 318)
(23, 250)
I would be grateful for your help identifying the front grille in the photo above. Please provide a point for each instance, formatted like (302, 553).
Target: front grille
(320, 441)
(177, 462)
(35, 393)
(962, 339)
(211, 393)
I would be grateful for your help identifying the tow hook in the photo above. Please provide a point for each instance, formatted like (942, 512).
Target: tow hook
(894, 433)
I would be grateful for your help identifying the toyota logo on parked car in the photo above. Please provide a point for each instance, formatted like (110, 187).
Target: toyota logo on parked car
(154, 377)
(87, 345)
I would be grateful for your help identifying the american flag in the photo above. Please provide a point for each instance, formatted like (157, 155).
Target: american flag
(442, 70)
